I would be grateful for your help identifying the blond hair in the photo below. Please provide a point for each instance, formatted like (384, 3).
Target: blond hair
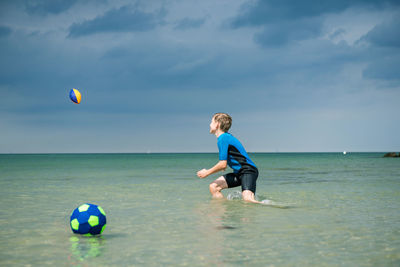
(225, 121)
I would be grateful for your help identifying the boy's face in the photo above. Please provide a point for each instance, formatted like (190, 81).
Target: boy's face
(213, 126)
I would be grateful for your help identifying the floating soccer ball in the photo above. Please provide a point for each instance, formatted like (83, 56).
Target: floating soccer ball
(75, 96)
(88, 219)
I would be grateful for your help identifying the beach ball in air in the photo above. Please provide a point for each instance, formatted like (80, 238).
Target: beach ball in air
(88, 219)
(75, 96)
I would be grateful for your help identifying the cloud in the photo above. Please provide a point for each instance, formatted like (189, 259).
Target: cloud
(5, 31)
(386, 34)
(387, 68)
(288, 31)
(189, 23)
(283, 21)
(337, 34)
(124, 19)
(44, 7)
(260, 12)
(384, 44)
(256, 13)
(133, 84)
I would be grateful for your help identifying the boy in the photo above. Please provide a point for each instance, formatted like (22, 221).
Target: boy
(232, 153)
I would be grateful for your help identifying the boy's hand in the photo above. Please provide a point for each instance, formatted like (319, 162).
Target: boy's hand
(202, 173)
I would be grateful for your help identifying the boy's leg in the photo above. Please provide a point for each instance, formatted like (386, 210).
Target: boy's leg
(249, 186)
(217, 186)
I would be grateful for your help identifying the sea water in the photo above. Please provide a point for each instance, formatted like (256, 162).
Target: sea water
(334, 210)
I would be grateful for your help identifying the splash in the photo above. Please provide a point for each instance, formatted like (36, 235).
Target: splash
(234, 195)
(271, 203)
(237, 195)
(267, 202)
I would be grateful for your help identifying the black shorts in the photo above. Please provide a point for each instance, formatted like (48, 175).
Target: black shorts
(247, 180)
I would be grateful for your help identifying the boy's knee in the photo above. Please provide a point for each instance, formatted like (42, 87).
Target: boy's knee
(214, 188)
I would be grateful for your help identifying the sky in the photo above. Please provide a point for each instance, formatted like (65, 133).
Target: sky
(296, 76)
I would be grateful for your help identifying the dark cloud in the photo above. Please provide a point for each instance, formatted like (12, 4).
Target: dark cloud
(263, 12)
(5, 31)
(124, 19)
(386, 34)
(283, 21)
(288, 31)
(189, 23)
(156, 68)
(44, 7)
(387, 68)
(384, 47)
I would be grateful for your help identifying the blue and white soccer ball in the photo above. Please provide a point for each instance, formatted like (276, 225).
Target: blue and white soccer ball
(88, 219)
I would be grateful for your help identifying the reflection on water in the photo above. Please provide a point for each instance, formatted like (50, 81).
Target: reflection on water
(225, 227)
(85, 247)
(210, 217)
(220, 220)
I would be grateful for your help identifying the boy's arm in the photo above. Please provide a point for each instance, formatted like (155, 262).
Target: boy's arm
(220, 166)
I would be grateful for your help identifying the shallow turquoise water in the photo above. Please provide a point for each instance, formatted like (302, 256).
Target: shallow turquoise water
(342, 210)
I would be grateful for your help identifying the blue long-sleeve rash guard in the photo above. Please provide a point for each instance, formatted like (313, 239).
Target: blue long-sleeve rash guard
(231, 150)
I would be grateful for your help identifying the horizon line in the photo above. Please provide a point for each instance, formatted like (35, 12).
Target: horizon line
(178, 152)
